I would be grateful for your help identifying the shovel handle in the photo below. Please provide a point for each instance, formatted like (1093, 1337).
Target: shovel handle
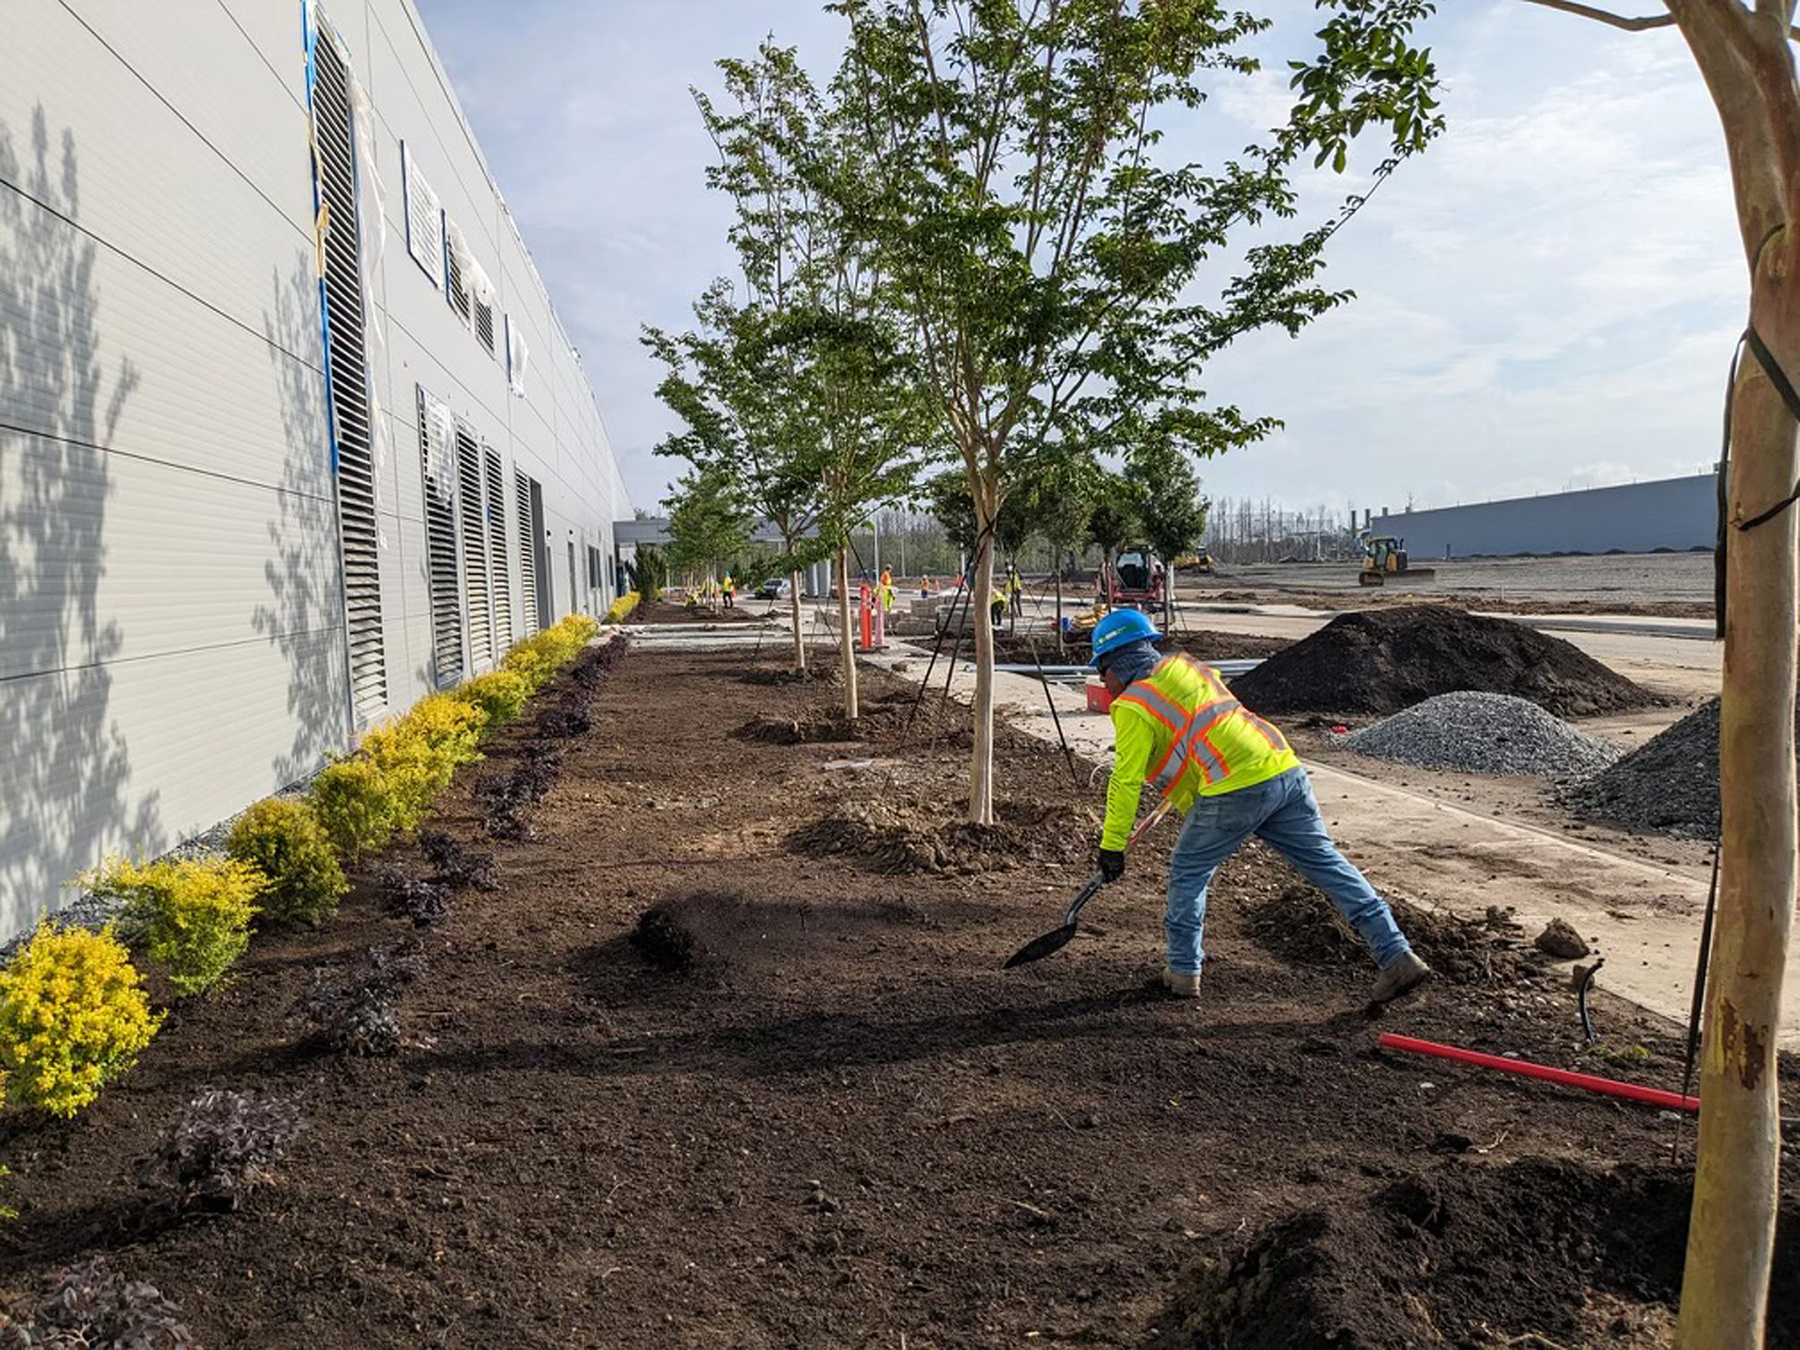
(1089, 891)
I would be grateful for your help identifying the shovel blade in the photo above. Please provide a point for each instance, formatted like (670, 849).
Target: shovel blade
(1040, 947)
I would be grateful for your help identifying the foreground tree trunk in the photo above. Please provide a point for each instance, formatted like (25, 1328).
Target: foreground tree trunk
(1056, 567)
(847, 644)
(794, 615)
(1748, 66)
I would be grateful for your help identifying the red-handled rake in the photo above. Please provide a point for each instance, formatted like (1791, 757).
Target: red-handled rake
(1058, 938)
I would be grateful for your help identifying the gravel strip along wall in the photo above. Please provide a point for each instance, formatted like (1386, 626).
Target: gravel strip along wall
(1484, 733)
(1383, 661)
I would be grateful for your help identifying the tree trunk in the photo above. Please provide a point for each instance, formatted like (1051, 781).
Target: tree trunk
(1056, 567)
(1731, 1231)
(794, 614)
(981, 755)
(847, 643)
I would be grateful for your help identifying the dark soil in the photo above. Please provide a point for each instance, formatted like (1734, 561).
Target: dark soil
(825, 1116)
(1204, 644)
(781, 676)
(1669, 784)
(661, 611)
(1467, 1254)
(1383, 661)
(1299, 924)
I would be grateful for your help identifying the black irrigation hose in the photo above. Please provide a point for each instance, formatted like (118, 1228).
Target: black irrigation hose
(1050, 698)
(1693, 1035)
(1581, 995)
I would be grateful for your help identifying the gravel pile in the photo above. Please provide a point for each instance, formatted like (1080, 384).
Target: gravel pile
(1669, 784)
(1385, 660)
(1484, 733)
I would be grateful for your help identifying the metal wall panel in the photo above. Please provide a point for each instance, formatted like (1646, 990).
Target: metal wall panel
(172, 639)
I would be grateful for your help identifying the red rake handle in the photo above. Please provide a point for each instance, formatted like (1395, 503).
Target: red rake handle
(1672, 1101)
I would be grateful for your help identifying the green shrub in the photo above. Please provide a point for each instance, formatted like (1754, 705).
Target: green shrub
(286, 843)
(73, 1016)
(388, 784)
(498, 695)
(192, 917)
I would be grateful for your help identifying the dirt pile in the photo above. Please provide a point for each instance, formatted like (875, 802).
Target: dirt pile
(1669, 784)
(820, 725)
(1301, 926)
(1383, 661)
(901, 837)
(704, 933)
(1470, 1255)
(779, 676)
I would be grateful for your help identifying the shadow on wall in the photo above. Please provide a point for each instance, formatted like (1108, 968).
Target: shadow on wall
(303, 618)
(64, 765)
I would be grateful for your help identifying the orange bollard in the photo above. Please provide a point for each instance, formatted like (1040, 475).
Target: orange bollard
(868, 644)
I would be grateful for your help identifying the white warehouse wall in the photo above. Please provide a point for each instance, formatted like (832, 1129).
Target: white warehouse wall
(172, 627)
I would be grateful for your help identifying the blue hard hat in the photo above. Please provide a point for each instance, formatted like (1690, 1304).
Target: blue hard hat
(1121, 628)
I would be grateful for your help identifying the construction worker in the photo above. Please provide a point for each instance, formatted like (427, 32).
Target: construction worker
(1014, 590)
(729, 589)
(1176, 726)
(887, 590)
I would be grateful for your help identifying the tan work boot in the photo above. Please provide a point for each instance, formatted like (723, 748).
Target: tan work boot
(1182, 986)
(1406, 973)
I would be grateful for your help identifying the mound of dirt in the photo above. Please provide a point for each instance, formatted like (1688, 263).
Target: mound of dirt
(1469, 1255)
(807, 729)
(897, 838)
(1301, 926)
(1669, 784)
(1383, 661)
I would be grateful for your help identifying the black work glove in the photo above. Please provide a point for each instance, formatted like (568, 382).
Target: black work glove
(1112, 863)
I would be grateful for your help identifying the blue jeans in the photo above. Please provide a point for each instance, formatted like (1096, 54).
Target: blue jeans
(1284, 814)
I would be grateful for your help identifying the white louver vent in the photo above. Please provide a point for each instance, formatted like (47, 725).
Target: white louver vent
(496, 513)
(456, 279)
(438, 465)
(424, 219)
(484, 326)
(528, 593)
(347, 371)
(474, 549)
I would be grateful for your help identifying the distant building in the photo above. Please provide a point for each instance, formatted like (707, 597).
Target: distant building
(1667, 515)
(290, 434)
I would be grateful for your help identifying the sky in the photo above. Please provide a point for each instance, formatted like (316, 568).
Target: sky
(1546, 299)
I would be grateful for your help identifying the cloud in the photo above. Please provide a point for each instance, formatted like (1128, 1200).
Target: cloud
(1548, 295)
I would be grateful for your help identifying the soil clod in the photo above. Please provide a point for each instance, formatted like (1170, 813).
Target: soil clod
(1559, 939)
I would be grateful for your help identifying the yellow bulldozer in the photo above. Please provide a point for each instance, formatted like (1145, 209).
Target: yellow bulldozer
(1384, 557)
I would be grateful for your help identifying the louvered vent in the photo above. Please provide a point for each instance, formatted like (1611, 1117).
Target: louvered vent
(528, 593)
(456, 286)
(347, 372)
(424, 219)
(474, 549)
(484, 326)
(496, 513)
(439, 469)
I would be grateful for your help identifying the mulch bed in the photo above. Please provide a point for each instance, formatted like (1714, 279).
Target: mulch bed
(676, 1083)
(1384, 660)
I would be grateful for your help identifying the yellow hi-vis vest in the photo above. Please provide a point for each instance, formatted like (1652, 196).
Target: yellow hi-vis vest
(1180, 730)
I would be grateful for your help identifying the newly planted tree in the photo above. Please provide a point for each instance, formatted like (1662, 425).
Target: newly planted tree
(708, 524)
(1172, 511)
(1047, 250)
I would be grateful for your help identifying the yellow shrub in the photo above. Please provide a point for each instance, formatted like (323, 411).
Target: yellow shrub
(622, 607)
(419, 752)
(498, 695)
(192, 917)
(286, 843)
(540, 656)
(355, 805)
(73, 1016)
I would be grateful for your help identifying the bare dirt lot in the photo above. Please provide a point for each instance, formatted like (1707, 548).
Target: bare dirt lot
(1666, 584)
(801, 1105)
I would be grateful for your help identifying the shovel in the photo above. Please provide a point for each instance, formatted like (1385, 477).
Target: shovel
(1058, 938)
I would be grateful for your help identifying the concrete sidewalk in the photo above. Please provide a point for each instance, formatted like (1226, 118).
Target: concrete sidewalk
(1642, 917)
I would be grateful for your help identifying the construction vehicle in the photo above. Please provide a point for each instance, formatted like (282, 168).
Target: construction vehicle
(1384, 557)
(1134, 577)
